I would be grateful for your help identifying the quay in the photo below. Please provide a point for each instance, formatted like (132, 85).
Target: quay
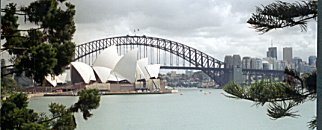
(134, 93)
(106, 93)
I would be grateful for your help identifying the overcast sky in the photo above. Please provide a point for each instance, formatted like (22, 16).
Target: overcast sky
(216, 27)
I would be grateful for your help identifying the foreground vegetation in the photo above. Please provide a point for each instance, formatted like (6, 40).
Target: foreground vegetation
(296, 89)
(281, 97)
(45, 47)
(15, 114)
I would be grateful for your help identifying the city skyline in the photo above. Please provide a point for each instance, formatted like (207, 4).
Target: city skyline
(280, 56)
(215, 27)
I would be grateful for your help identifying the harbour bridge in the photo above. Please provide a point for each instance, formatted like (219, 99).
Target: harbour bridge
(171, 55)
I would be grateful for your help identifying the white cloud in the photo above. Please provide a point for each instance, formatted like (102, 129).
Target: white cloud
(215, 27)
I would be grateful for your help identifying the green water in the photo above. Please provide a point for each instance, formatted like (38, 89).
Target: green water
(186, 110)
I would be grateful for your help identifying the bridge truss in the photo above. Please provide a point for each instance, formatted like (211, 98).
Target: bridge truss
(214, 68)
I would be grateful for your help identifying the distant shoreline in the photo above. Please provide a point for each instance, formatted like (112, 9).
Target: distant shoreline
(31, 95)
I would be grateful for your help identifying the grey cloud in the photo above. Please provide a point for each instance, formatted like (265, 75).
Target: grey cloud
(214, 26)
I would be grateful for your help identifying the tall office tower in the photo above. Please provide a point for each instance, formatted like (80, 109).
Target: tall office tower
(256, 63)
(236, 61)
(272, 52)
(228, 61)
(246, 63)
(287, 55)
(312, 60)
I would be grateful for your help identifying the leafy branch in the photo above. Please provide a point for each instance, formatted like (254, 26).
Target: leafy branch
(50, 43)
(281, 96)
(278, 110)
(16, 115)
(282, 14)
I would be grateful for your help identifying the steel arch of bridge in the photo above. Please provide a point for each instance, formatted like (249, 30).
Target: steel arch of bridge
(211, 66)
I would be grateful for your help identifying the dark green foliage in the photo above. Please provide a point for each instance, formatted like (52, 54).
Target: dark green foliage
(33, 126)
(310, 82)
(312, 123)
(41, 59)
(281, 96)
(63, 51)
(88, 100)
(9, 26)
(8, 84)
(63, 119)
(47, 49)
(282, 14)
(263, 92)
(16, 115)
(278, 110)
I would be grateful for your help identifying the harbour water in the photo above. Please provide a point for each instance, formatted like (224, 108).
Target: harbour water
(194, 109)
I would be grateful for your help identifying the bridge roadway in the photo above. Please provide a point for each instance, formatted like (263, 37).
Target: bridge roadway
(249, 75)
(225, 69)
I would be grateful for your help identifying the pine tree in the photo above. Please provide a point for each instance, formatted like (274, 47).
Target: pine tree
(46, 48)
(296, 89)
(15, 114)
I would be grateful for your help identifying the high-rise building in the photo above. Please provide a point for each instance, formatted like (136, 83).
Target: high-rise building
(287, 54)
(246, 62)
(312, 60)
(232, 61)
(236, 61)
(256, 63)
(272, 52)
(228, 61)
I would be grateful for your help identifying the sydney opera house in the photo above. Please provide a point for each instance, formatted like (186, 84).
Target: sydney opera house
(114, 73)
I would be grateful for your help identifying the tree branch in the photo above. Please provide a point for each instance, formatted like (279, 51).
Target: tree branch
(282, 14)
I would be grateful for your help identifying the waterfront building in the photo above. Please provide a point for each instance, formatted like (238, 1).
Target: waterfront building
(279, 65)
(246, 64)
(173, 73)
(228, 61)
(236, 61)
(287, 55)
(312, 61)
(104, 63)
(283, 65)
(267, 65)
(308, 68)
(298, 64)
(81, 72)
(116, 73)
(58, 80)
(126, 67)
(189, 73)
(272, 63)
(256, 63)
(108, 58)
(272, 52)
